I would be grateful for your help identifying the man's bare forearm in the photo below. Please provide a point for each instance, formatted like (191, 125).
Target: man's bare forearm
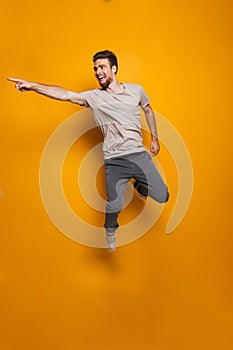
(150, 118)
(57, 92)
(51, 91)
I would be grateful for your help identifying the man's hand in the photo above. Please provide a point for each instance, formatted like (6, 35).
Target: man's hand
(21, 85)
(154, 147)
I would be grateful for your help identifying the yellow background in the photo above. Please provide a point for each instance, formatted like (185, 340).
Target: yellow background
(162, 292)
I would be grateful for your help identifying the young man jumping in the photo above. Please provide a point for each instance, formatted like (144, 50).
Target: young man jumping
(116, 109)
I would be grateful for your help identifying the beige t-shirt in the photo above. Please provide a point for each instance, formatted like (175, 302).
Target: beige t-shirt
(118, 117)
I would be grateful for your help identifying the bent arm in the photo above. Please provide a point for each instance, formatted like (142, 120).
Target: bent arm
(150, 118)
(55, 92)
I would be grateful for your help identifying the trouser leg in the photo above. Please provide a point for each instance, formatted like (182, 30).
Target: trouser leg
(117, 177)
(148, 180)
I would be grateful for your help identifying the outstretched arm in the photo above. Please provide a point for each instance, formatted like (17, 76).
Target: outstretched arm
(150, 118)
(55, 92)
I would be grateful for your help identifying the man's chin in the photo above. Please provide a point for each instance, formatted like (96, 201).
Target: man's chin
(104, 85)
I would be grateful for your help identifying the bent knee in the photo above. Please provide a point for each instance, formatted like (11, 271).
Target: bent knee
(167, 197)
(162, 198)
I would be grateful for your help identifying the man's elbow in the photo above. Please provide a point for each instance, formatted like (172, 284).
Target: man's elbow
(74, 97)
(147, 109)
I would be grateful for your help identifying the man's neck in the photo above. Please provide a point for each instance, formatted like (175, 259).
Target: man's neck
(115, 87)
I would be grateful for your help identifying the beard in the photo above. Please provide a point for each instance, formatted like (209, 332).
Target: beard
(105, 84)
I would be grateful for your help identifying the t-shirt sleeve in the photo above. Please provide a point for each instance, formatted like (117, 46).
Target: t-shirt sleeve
(89, 97)
(144, 99)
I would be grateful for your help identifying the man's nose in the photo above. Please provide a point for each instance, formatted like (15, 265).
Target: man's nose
(97, 71)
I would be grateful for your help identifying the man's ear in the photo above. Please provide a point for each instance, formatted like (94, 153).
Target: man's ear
(114, 69)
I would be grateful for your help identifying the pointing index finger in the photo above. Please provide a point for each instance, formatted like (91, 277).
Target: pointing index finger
(13, 79)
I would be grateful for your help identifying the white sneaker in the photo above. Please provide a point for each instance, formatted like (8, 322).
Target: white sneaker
(111, 240)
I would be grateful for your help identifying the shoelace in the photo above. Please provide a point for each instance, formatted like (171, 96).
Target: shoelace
(111, 239)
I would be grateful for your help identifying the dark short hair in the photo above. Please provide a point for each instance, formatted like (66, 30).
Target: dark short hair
(109, 55)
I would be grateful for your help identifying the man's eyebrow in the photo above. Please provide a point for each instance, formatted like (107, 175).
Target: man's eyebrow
(100, 65)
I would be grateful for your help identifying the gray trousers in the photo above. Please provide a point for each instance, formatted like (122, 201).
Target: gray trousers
(119, 171)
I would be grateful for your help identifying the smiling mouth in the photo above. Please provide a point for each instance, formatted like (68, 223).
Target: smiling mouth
(101, 78)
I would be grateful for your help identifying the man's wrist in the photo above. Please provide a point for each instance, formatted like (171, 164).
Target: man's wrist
(154, 138)
(34, 86)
